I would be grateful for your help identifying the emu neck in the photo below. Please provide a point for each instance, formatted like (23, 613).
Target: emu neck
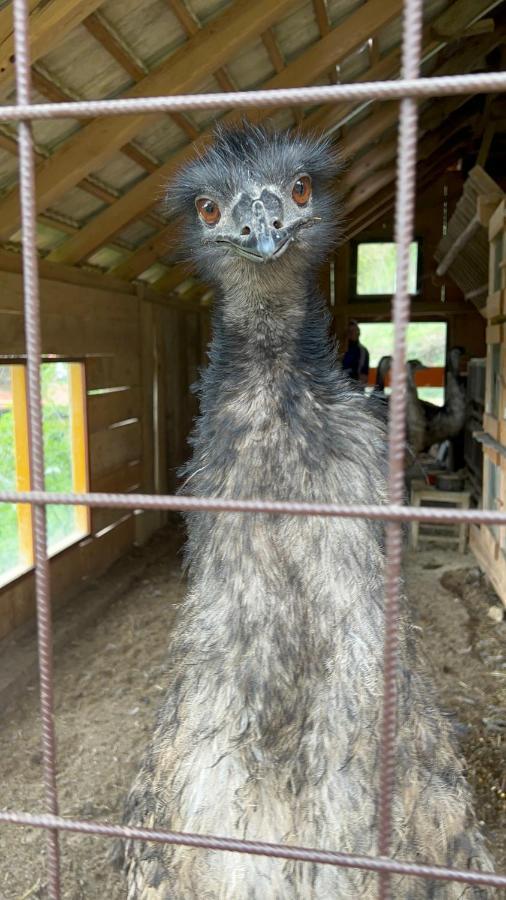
(269, 324)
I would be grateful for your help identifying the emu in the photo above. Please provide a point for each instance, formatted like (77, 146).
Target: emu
(416, 423)
(270, 726)
(447, 421)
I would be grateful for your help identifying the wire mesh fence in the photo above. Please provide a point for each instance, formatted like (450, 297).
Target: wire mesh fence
(409, 88)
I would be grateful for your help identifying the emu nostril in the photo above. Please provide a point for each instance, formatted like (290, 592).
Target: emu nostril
(277, 223)
(246, 230)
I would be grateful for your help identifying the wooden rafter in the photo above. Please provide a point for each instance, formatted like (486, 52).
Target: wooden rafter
(383, 205)
(428, 145)
(56, 94)
(336, 46)
(191, 26)
(97, 26)
(271, 45)
(327, 118)
(368, 131)
(375, 126)
(148, 253)
(185, 70)
(447, 25)
(105, 35)
(278, 62)
(386, 150)
(49, 23)
(324, 27)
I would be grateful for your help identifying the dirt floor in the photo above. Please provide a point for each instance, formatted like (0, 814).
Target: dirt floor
(110, 677)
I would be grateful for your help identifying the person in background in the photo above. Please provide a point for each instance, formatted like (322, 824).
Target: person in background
(356, 358)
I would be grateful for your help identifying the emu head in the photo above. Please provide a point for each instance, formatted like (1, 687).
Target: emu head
(257, 200)
(384, 366)
(414, 366)
(454, 357)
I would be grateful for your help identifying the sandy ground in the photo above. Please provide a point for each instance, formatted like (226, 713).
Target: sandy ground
(110, 678)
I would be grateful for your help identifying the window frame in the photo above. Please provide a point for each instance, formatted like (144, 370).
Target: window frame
(79, 437)
(433, 318)
(354, 296)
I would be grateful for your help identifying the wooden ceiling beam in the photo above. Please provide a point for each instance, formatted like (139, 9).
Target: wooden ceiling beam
(366, 132)
(109, 40)
(271, 45)
(147, 254)
(49, 24)
(138, 156)
(460, 12)
(184, 71)
(6, 20)
(324, 26)
(53, 92)
(278, 62)
(433, 168)
(371, 129)
(428, 145)
(385, 150)
(448, 25)
(174, 276)
(97, 26)
(191, 26)
(314, 61)
(13, 262)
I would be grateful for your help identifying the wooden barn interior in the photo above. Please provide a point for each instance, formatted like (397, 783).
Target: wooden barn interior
(118, 298)
(126, 322)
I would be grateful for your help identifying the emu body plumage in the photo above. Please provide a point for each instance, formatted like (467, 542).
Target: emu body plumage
(270, 727)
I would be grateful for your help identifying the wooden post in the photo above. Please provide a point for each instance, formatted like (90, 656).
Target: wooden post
(78, 441)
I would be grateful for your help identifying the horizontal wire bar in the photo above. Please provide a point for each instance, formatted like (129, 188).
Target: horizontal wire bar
(257, 848)
(390, 512)
(440, 86)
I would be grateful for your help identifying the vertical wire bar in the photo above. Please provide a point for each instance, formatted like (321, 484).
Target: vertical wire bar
(404, 231)
(33, 355)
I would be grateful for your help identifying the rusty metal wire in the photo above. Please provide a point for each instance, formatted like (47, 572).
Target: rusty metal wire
(409, 88)
(257, 848)
(404, 233)
(33, 356)
(422, 88)
(388, 512)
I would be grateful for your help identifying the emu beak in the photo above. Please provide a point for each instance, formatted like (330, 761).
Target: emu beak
(265, 240)
(259, 239)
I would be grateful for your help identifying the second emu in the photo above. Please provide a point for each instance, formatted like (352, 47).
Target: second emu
(270, 727)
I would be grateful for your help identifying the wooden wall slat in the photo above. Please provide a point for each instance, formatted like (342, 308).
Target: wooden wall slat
(56, 297)
(113, 447)
(102, 518)
(112, 371)
(61, 337)
(106, 409)
(125, 478)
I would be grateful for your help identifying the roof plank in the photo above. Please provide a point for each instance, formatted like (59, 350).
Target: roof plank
(317, 59)
(48, 26)
(185, 69)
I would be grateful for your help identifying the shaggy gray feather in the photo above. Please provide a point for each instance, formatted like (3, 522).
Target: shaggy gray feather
(270, 729)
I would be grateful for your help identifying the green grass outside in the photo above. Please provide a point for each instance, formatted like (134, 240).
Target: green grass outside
(57, 459)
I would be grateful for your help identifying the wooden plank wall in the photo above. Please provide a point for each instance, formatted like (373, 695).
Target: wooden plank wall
(488, 544)
(139, 366)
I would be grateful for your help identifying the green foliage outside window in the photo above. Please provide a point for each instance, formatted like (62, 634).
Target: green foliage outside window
(376, 268)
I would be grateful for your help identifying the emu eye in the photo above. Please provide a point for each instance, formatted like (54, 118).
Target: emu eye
(301, 191)
(208, 210)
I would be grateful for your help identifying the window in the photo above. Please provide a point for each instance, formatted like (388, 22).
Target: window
(375, 268)
(426, 341)
(64, 433)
